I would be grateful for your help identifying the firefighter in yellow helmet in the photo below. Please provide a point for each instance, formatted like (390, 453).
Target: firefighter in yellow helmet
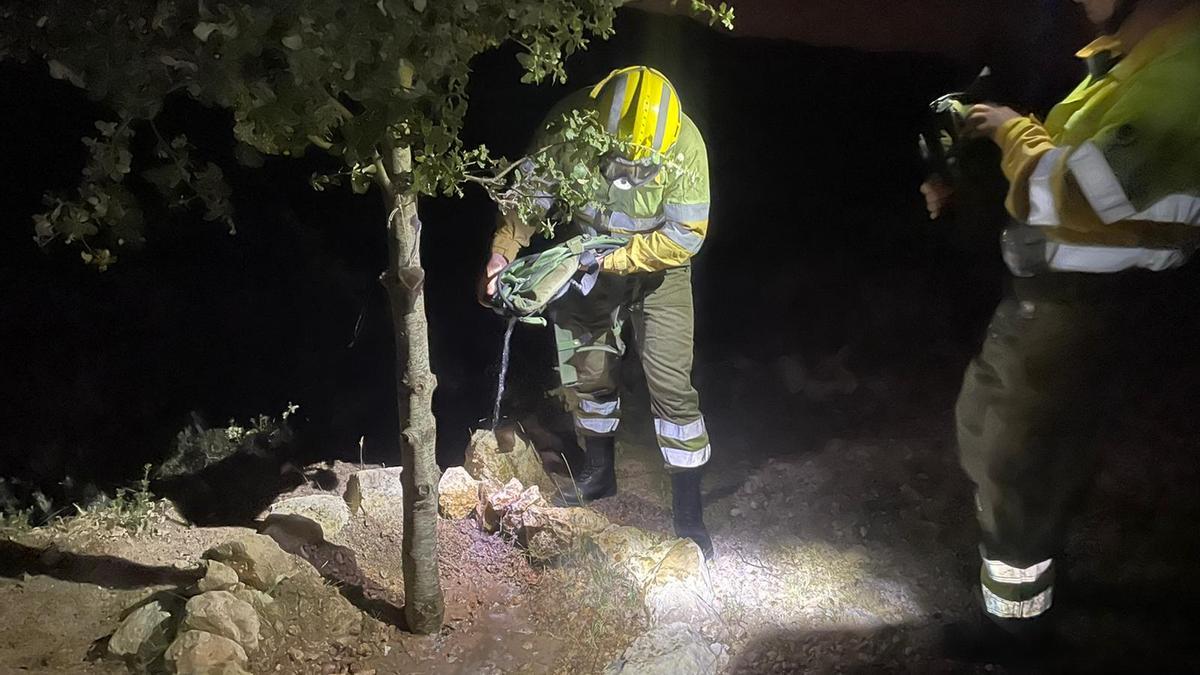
(1105, 196)
(660, 212)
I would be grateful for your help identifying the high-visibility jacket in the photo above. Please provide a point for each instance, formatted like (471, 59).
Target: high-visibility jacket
(663, 223)
(1114, 173)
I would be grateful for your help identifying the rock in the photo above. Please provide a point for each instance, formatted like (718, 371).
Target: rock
(222, 613)
(327, 512)
(502, 507)
(671, 573)
(258, 561)
(549, 532)
(255, 598)
(376, 492)
(629, 550)
(217, 577)
(669, 649)
(143, 633)
(196, 652)
(458, 493)
(681, 590)
(505, 455)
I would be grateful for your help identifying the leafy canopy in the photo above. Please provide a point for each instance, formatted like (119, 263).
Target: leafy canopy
(355, 78)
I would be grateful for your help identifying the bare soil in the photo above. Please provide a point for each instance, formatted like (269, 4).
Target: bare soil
(844, 535)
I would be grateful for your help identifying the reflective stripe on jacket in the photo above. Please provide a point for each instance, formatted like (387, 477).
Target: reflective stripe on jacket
(1114, 173)
(663, 222)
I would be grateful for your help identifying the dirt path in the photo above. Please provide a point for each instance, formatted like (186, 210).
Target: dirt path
(844, 538)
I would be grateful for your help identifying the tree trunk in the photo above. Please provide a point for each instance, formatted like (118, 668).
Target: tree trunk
(415, 382)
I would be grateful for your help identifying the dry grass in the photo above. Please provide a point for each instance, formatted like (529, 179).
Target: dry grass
(593, 608)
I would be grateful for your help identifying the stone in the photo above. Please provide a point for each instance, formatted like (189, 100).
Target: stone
(329, 513)
(255, 598)
(217, 577)
(376, 492)
(669, 649)
(671, 574)
(549, 532)
(222, 613)
(258, 561)
(197, 652)
(143, 632)
(629, 550)
(680, 589)
(501, 508)
(505, 455)
(458, 493)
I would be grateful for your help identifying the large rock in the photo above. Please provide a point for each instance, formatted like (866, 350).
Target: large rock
(671, 573)
(681, 590)
(328, 513)
(549, 532)
(458, 493)
(196, 652)
(505, 455)
(222, 613)
(255, 598)
(376, 492)
(258, 561)
(217, 577)
(501, 507)
(670, 649)
(143, 633)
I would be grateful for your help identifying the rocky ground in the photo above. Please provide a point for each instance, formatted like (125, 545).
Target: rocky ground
(843, 535)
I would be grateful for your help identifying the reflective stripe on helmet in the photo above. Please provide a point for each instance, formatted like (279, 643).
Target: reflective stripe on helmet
(664, 109)
(639, 106)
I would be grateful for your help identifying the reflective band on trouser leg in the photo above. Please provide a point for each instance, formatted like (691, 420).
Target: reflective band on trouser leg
(684, 446)
(598, 418)
(1017, 592)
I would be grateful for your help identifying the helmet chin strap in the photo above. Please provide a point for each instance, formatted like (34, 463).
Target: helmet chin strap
(1121, 14)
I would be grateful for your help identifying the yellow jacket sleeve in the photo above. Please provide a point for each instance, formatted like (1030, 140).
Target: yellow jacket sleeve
(1023, 142)
(512, 235)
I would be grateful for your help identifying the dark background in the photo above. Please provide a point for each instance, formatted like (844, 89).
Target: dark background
(819, 241)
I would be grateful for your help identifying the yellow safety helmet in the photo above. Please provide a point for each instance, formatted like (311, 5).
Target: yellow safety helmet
(640, 107)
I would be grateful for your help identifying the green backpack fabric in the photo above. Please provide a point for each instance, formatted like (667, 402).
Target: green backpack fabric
(527, 286)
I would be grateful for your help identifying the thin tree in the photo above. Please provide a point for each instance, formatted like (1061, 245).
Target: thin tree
(380, 85)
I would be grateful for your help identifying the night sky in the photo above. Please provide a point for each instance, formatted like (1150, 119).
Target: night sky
(818, 240)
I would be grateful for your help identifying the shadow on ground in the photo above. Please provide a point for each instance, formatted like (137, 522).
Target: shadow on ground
(17, 560)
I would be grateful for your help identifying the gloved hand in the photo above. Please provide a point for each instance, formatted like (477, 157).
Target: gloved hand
(938, 194)
(986, 120)
(491, 272)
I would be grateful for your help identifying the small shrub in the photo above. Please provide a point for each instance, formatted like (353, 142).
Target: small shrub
(130, 509)
(196, 449)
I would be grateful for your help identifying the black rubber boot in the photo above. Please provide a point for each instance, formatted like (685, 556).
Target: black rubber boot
(688, 509)
(988, 639)
(597, 479)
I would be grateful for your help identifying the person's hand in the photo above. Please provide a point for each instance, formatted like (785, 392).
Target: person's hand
(937, 196)
(487, 285)
(986, 120)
